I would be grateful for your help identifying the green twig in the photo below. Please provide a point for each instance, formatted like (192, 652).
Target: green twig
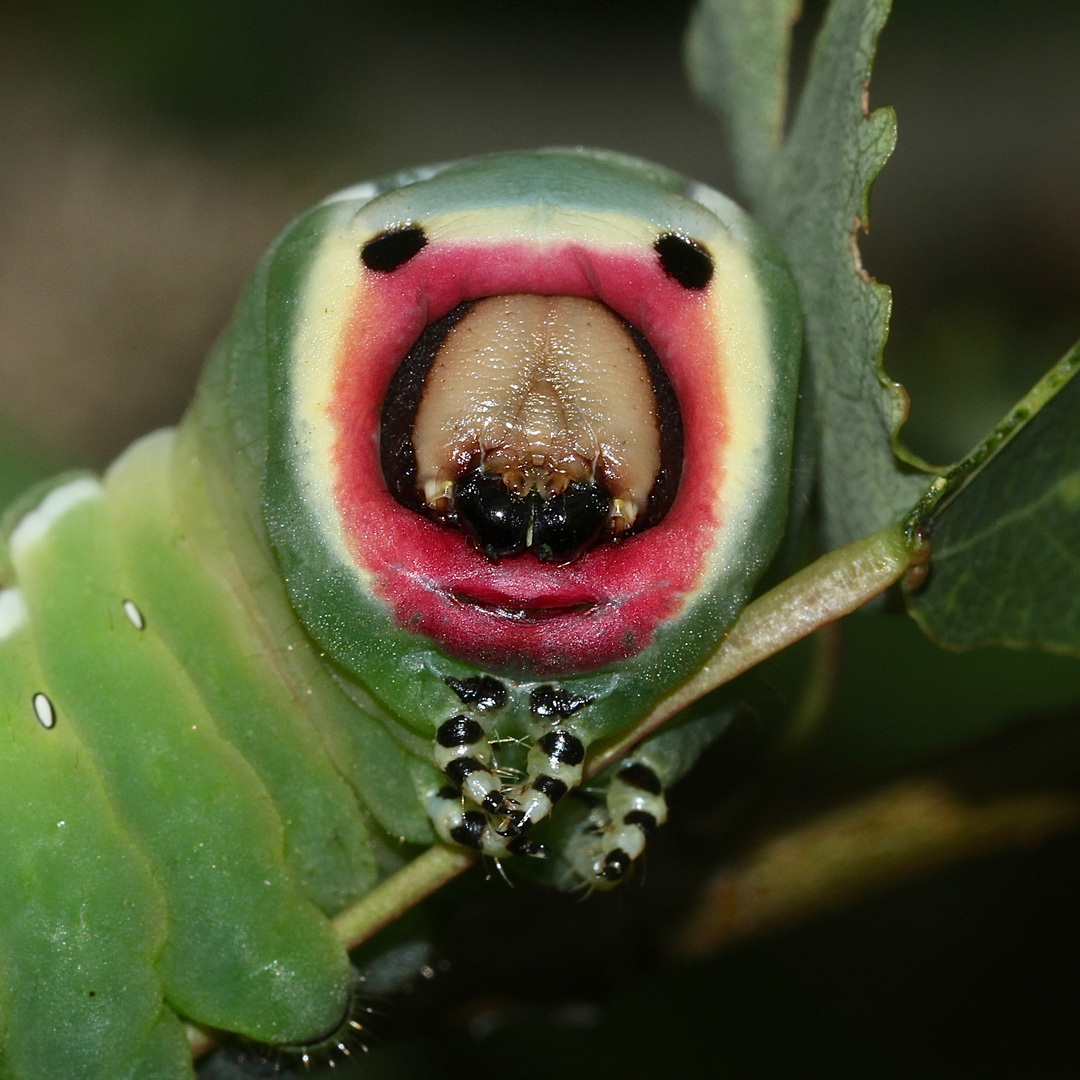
(400, 891)
(826, 590)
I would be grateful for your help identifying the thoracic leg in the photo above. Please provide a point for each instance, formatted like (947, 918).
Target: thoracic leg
(635, 808)
(472, 828)
(463, 753)
(552, 768)
(604, 847)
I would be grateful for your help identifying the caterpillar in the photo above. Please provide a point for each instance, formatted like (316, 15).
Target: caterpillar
(490, 457)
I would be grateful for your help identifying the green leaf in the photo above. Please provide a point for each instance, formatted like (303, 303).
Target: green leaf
(1004, 529)
(737, 58)
(812, 191)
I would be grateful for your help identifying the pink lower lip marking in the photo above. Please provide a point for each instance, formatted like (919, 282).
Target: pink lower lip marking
(527, 602)
(526, 613)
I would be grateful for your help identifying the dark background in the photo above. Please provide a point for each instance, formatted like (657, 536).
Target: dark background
(150, 149)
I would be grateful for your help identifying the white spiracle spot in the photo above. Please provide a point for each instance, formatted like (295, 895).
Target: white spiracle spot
(134, 615)
(43, 710)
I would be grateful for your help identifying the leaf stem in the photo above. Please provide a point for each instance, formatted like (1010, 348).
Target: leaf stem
(426, 873)
(829, 860)
(819, 594)
(945, 488)
(817, 691)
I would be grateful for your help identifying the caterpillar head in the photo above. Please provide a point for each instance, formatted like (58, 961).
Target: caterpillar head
(528, 415)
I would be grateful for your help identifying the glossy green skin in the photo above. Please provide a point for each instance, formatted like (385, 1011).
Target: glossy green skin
(80, 912)
(216, 784)
(244, 947)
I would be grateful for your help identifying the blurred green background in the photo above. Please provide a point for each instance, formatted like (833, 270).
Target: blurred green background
(150, 149)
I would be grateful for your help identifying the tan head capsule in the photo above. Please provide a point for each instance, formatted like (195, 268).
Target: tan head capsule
(537, 426)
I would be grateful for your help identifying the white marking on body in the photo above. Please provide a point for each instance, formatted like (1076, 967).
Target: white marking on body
(134, 614)
(12, 612)
(43, 710)
(362, 193)
(33, 528)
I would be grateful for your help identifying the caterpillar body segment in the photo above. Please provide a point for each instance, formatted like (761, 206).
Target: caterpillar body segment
(74, 956)
(325, 834)
(379, 759)
(245, 676)
(188, 798)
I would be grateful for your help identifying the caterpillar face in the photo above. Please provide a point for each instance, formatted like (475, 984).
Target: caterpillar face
(530, 413)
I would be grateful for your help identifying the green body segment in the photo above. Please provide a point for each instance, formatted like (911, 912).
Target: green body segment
(82, 920)
(326, 840)
(165, 1054)
(374, 754)
(244, 949)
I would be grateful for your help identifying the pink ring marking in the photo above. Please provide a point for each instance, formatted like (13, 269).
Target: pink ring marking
(520, 613)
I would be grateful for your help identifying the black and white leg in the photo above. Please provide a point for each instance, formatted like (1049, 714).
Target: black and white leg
(472, 829)
(463, 753)
(636, 809)
(604, 846)
(605, 849)
(552, 768)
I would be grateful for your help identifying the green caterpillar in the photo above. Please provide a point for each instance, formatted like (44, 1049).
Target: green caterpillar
(491, 449)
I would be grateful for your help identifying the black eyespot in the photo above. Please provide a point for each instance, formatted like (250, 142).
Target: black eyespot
(482, 692)
(684, 260)
(393, 248)
(553, 701)
(640, 776)
(562, 747)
